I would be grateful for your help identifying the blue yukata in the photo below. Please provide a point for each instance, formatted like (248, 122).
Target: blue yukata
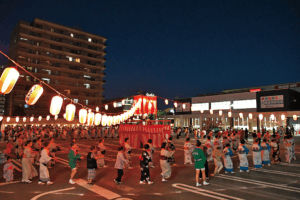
(256, 152)
(243, 151)
(8, 174)
(265, 153)
(227, 160)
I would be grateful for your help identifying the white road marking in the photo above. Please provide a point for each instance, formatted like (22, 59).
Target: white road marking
(278, 186)
(289, 164)
(203, 192)
(98, 190)
(54, 191)
(9, 183)
(277, 172)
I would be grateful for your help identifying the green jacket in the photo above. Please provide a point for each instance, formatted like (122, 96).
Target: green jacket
(73, 158)
(199, 158)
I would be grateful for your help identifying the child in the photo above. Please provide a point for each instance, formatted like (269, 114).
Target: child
(145, 159)
(256, 151)
(188, 149)
(119, 164)
(265, 153)
(73, 157)
(217, 154)
(8, 170)
(200, 160)
(227, 159)
(243, 151)
(92, 164)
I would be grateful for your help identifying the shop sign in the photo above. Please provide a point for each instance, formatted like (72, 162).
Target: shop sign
(287, 86)
(255, 90)
(187, 107)
(200, 106)
(272, 101)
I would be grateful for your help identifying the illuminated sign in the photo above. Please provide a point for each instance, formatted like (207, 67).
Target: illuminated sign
(200, 106)
(272, 101)
(255, 90)
(244, 104)
(223, 105)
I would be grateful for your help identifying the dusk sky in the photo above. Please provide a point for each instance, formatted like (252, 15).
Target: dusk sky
(173, 48)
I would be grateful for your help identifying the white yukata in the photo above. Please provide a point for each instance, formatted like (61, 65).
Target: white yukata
(188, 149)
(256, 152)
(209, 145)
(44, 173)
(164, 164)
(234, 142)
(243, 151)
(28, 171)
(293, 148)
(227, 160)
(150, 152)
(265, 153)
(102, 151)
(288, 150)
(128, 152)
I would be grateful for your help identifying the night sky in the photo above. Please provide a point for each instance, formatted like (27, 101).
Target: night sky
(178, 48)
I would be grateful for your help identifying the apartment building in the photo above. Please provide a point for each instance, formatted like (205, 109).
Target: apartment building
(68, 59)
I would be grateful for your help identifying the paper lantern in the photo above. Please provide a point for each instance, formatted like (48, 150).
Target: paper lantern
(241, 115)
(283, 117)
(82, 115)
(211, 111)
(295, 117)
(123, 102)
(97, 120)
(90, 120)
(250, 116)
(40, 118)
(260, 116)
(202, 111)
(166, 101)
(175, 104)
(8, 80)
(17, 119)
(229, 114)
(115, 104)
(272, 117)
(55, 117)
(220, 112)
(8, 119)
(56, 104)
(70, 112)
(103, 120)
(97, 109)
(34, 94)
(1, 118)
(31, 119)
(24, 119)
(183, 106)
(48, 117)
(106, 107)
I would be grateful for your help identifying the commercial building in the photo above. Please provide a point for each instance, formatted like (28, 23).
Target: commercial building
(68, 59)
(252, 108)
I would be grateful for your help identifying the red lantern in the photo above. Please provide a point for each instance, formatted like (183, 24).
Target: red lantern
(8, 80)
(34, 94)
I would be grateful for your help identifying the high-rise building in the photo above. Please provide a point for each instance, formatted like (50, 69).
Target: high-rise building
(68, 59)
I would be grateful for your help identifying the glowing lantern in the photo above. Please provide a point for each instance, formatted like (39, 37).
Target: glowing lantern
(175, 104)
(295, 117)
(272, 117)
(166, 101)
(82, 115)
(106, 107)
(48, 117)
(1, 118)
(149, 106)
(8, 119)
(115, 104)
(17, 119)
(31, 119)
(211, 111)
(70, 112)
(90, 120)
(283, 117)
(241, 115)
(229, 114)
(97, 119)
(64, 115)
(56, 104)
(220, 112)
(97, 109)
(103, 120)
(40, 118)
(260, 116)
(34, 94)
(8, 80)
(183, 106)
(250, 116)
(90, 110)
(55, 117)
(202, 111)
(24, 119)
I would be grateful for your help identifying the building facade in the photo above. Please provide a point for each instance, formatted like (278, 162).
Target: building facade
(68, 59)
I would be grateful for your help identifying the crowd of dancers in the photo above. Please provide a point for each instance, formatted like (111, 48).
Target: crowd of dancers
(36, 149)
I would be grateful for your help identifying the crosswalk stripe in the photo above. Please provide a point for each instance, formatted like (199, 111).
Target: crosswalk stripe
(278, 186)
(277, 172)
(203, 192)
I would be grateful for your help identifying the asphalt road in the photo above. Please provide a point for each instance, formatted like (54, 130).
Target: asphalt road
(272, 182)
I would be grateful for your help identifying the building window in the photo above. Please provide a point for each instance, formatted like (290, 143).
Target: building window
(47, 80)
(57, 82)
(77, 60)
(28, 78)
(23, 39)
(87, 86)
(86, 102)
(71, 35)
(76, 100)
(90, 39)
